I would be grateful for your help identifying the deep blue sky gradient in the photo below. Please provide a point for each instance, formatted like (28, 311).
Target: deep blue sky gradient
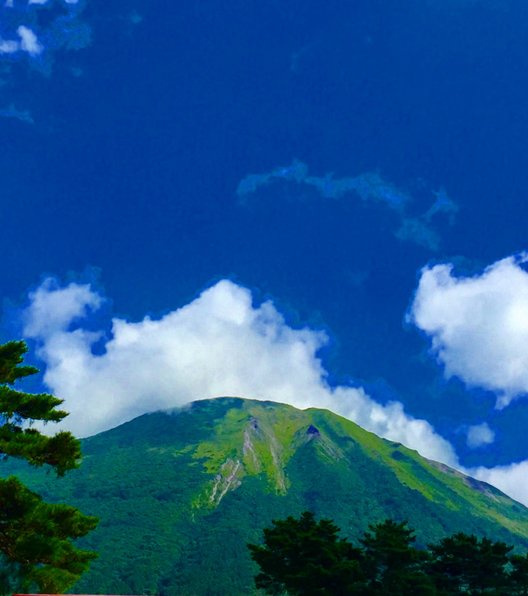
(140, 140)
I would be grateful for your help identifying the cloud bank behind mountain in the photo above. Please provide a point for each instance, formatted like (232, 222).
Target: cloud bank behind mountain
(220, 344)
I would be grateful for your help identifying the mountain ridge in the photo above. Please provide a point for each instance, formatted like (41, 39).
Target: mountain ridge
(181, 492)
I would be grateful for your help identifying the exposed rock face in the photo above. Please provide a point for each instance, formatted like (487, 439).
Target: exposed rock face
(181, 493)
(261, 452)
(249, 451)
(227, 479)
(313, 431)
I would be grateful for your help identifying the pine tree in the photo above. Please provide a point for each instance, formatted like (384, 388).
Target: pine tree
(465, 563)
(36, 538)
(392, 563)
(518, 576)
(305, 556)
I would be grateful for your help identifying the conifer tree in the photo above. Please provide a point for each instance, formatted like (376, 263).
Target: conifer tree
(36, 538)
(465, 563)
(306, 556)
(518, 576)
(392, 563)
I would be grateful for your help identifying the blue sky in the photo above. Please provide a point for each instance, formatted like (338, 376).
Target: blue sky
(316, 202)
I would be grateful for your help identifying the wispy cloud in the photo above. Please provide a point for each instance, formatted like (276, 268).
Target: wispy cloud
(27, 42)
(23, 34)
(416, 230)
(421, 230)
(443, 204)
(369, 186)
(478, 325)
(220, 344)
(11, 111)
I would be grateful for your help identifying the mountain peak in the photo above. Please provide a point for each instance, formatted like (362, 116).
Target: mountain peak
(181, 492)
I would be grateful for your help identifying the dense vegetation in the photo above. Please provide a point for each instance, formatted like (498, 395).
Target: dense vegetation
(36, 547)
(307, 557)
(180, 494)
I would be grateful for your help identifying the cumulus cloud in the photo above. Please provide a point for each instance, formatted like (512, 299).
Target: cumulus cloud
(369, 186)
(52, 308)
(220, 344)
(479, 435)
(478, 325)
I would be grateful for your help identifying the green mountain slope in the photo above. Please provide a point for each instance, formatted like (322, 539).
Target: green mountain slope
(179, 494)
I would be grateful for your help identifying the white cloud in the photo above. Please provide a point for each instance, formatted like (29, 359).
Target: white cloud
(9, 46)
(28, 41)
(478, 325)
(220, 344)
(511, 479)
(479, 435)
(52, 309)
(26, 33)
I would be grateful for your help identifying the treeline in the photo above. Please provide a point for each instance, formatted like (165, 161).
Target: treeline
(308, 557)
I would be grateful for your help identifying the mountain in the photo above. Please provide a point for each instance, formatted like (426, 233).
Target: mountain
(180, 493)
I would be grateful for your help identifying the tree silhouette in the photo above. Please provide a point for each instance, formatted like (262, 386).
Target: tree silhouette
(36, 547)
(519, 574)
(305, 556)
(392, 563)
(465, 563)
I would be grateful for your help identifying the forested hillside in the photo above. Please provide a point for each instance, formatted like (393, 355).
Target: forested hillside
(179, 494)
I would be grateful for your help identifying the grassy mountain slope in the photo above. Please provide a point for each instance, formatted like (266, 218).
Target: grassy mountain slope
(179, 494)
